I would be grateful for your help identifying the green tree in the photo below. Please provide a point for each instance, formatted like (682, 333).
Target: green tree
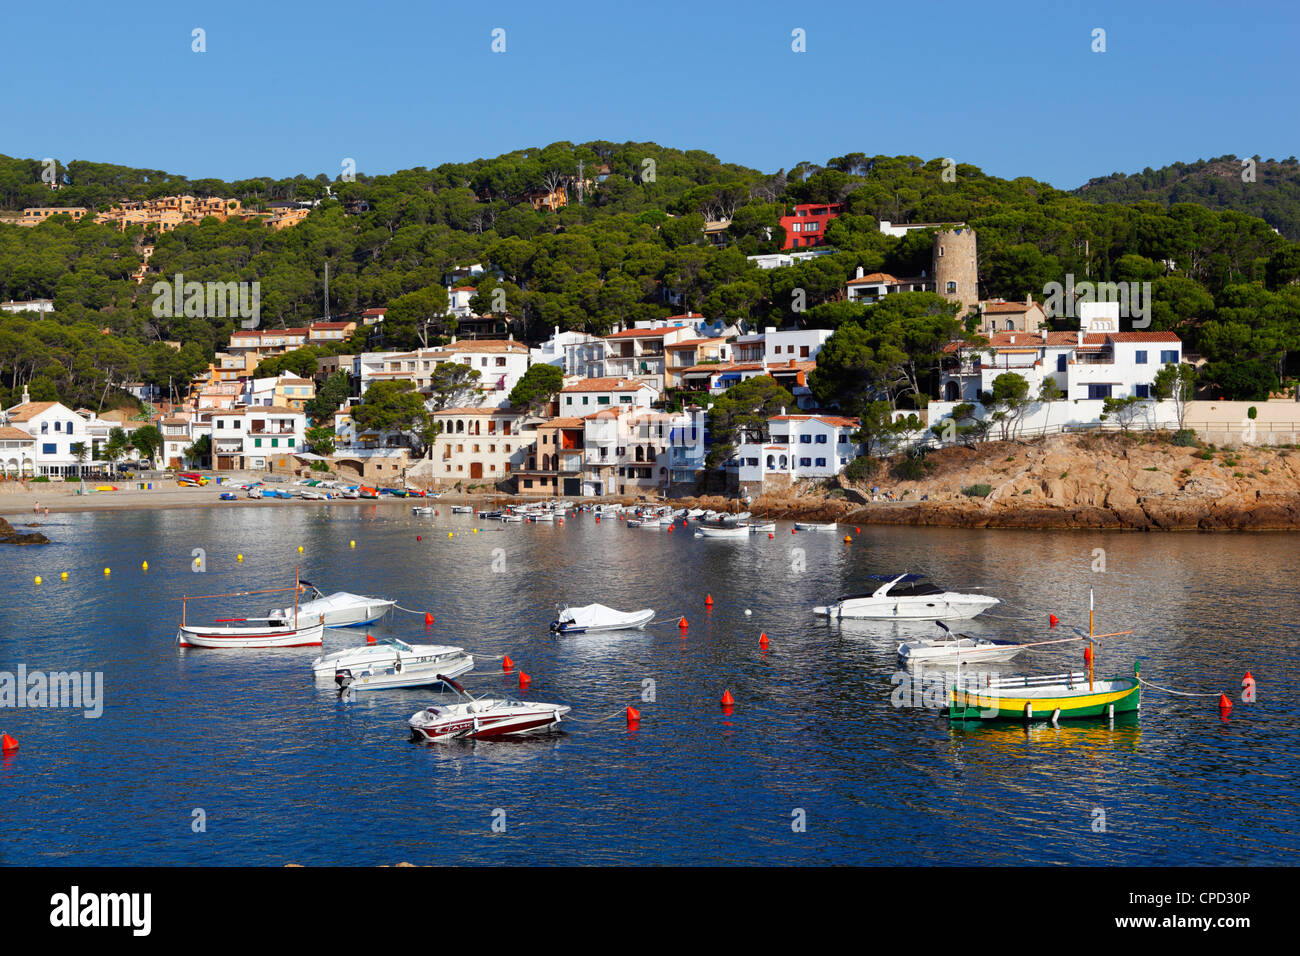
(389, 406)
(452, 385)
(200, 453)
(1176, 383)
(333, 392)
(743, 411)
(1008, 401)
(1123, 410)
(538, 386)
(148, 440)
(320, 440)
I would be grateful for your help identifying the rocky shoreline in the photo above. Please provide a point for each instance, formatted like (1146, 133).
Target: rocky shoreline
(1092, 482)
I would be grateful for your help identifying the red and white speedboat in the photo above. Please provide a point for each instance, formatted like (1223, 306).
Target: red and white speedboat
(285, 628)
(483, 718)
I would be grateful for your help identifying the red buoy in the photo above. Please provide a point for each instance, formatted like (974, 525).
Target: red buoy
(682, 623)
(708, 600)
(428, 619)
(794, 530)
(1225, 706)
(857, 531)
(727, 700)
(1087, 655)
(1248, 689)
(8, 744)
(370, 638)
(762, 641)
(418, 538)
(633, 716)
(770, 535)
(507, 664)
(524, 681)
(1052, 620)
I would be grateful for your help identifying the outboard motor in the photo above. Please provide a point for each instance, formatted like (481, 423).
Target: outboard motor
(343, 678)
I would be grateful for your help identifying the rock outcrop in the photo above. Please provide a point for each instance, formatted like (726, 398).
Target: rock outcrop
(9, 536)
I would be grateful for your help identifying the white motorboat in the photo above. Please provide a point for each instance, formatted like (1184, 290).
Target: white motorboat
(461, 509)
(695, 513)
(483, 718)
(956, 648)
(254, 492)
(598, 617)
(734, 531)
(902, 598)
(311, 494)
(422, 510)
(392, 663)
(277, 629)
(815, 526)
(342, 608)
(765, 527)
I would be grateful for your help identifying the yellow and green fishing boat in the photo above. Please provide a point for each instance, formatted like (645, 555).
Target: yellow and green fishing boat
(1048, 697)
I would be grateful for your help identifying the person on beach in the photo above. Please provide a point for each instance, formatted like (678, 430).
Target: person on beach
(36, 508)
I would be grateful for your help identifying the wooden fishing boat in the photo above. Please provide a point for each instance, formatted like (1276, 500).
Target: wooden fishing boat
(277, 629)
(1048, 697)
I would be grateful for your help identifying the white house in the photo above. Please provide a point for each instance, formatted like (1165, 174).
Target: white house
(639, 353)
(17, 453)
(589, 395)
(564, 350)
(871, 288)
(55, 429)
(500, 364)
(779, 260)
(799, 447)
(1094, 362)
(634, 450)
(256, 437)
(480, 444)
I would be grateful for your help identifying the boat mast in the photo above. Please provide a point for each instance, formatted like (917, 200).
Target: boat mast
(1092, 652)
(296, 585)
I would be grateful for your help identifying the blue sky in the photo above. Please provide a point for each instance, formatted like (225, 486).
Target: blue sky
(1013, 88)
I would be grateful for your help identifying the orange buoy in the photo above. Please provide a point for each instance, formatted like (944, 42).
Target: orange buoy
(524, 681)
(794, 530)
(1225, 706)
(727, 699)
(507, 664)
(847, 539)
(428, 619)
(597, 519)
(8, 744)
(770, 535)
(763, 641)
(435, 512)
(370, 638)
(682, 623)
(633, 716)
(708, 600)
(1052, 620)
(857, 531)
(1248, 689)
(1087, 655)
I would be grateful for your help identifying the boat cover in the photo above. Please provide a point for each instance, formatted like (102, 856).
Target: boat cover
(597, 615)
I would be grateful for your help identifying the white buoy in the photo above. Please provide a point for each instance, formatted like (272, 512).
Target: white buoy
(1056, 717)
(748, 612)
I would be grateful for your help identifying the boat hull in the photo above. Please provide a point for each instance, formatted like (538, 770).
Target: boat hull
(487, 726)
(1121, 693)
(389, 678)
(309, 636)
(909, 609)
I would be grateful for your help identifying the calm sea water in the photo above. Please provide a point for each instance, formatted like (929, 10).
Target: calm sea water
(284, 772)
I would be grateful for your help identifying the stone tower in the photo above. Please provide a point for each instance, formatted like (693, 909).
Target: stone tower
(956, 276)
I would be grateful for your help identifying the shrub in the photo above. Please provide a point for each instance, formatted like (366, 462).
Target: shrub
(1152, 468)
(1205, 454)
(861, 468)
(980, 490)
(909, 469)
(1184, 438)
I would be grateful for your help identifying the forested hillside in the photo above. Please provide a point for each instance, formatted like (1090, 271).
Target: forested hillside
(636, 237)
(1270, 189)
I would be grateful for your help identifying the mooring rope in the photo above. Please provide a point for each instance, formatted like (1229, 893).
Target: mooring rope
(1180, 693)
(407, 609)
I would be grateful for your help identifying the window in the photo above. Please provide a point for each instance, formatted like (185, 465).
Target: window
(1099, 391)
(568, 399)
(1140, 357)
(821, 439)
(844, 439)
(58, 426)
(952, 288)
(805, 462)
(290, 442)
(602, 400)
(1144, 391)
(625, 399)
(803, 351)
(1168, 356)
(257, 443)
(501, 362)
(821, 462)
(778, 439)
(49, 448)
(805, 439)
(45, 427)
(275, 443)
(584, 400)
(1060, 362)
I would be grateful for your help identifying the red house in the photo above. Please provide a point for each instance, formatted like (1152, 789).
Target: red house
(807, 227)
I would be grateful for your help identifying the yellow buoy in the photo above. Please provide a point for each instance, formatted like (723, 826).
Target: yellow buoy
(107, 572)
(144, 565)
(300, 549)
(239, 557)
(38, 579)
(476, 530)
(450, 533)
(352, 544)
(64, 575)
